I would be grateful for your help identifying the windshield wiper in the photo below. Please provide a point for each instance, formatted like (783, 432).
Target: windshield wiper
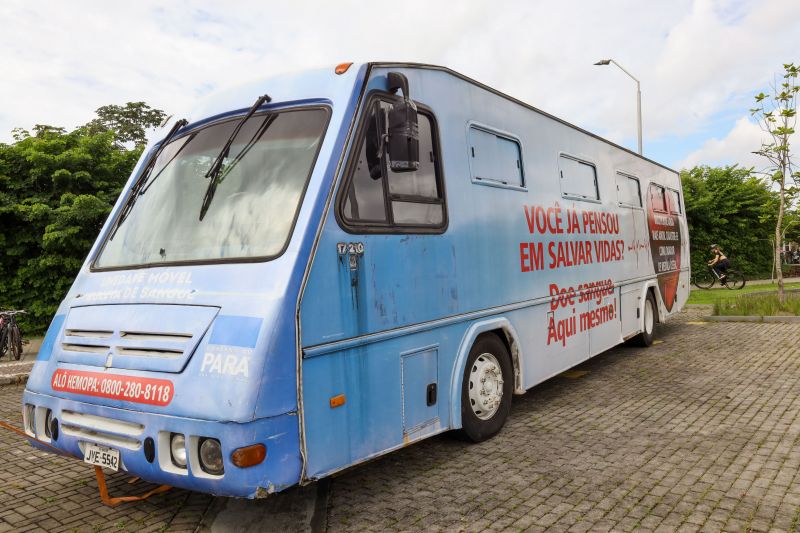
(216, 167)
(262, 129)
(137, 189)
(150, 181)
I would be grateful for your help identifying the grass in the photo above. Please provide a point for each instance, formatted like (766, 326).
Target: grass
(712, 296)
(761, 305)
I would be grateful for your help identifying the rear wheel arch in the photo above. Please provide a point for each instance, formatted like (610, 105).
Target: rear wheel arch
(512, 345)
(649, 319)
(651, 288)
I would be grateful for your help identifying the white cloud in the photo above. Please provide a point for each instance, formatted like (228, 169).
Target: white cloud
(695, 58)
(736, 147)
(712, 61)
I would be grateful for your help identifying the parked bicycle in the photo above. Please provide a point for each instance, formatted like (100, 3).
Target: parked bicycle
(10, 335)
(734, 280)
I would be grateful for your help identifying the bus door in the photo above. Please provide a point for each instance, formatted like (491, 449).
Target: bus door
(633, 229)
(396, 268)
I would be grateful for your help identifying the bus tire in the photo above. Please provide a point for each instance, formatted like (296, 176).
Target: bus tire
(645, 338)
(486, 389)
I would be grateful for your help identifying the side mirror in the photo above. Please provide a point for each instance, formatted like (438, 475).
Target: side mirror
(403, 128)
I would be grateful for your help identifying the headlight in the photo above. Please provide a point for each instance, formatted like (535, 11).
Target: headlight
(177, 447)
(211, 456)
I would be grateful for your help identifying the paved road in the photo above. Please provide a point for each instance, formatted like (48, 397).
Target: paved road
(701, 431)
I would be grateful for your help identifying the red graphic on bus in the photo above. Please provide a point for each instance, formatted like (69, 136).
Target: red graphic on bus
(665, 240)
(115, 386)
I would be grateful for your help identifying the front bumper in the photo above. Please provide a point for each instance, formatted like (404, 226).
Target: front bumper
(127, 431)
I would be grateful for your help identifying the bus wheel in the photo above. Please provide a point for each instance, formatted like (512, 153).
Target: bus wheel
(645, 338)
(486, 389)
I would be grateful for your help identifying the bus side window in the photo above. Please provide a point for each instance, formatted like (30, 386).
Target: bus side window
(421, 182)
(415, 196)
(674, 202)
(388, 201)
(628, 190)
(658, 198)
(495, 157)
(578, 179)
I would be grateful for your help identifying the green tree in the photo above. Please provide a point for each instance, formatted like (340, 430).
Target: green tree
(130, 122)
(777, 116)
(732, 207)
(56, 190)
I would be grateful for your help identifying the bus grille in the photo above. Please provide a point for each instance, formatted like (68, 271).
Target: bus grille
(102, 430)
(141, 344)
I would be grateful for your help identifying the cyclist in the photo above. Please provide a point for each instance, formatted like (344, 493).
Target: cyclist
(720, 263)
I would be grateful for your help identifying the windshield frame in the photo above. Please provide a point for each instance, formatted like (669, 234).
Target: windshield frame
(191, 130)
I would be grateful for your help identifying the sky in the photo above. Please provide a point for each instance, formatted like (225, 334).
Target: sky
(700, 62)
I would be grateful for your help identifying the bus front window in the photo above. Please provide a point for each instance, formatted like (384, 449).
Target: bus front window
(257, 198)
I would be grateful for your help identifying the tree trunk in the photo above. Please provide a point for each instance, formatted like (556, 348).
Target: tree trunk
(779, 241)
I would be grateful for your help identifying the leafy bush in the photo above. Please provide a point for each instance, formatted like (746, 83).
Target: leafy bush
(731, 207)
(56, 191)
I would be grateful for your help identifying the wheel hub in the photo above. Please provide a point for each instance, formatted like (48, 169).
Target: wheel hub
(485, 386)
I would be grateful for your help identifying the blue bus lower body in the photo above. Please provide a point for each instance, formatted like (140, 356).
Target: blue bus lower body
(386, 378)
(80, 423)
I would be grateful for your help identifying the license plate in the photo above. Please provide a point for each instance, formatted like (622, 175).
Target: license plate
(101, 456)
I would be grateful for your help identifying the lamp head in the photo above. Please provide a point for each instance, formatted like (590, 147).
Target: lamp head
(603, 62)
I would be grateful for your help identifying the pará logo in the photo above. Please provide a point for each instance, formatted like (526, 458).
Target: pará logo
(226, 363)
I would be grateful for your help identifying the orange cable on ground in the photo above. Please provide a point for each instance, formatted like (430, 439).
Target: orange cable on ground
(22, 433)
(106, 499)
(98, 472)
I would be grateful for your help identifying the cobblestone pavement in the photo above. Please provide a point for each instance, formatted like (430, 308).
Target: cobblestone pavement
(700, 431)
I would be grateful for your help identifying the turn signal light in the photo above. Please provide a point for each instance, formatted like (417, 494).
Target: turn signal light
(341, 68)
(249, 455)
(337, 401)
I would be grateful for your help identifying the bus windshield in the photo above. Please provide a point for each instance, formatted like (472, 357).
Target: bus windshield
(259, 189)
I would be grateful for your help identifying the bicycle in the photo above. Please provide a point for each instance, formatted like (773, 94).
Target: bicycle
(734, 280)
(10, 335)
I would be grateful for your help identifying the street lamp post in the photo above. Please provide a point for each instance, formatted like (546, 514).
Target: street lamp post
(638, 98)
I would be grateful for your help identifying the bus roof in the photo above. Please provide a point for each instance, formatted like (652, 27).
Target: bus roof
(516, 101)
(324, 83)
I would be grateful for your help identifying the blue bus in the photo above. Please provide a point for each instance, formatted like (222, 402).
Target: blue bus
(319, 268)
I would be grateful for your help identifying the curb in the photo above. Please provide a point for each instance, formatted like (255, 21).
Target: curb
(13, 379)
(771, 291)
(765, 319)
(15, 372)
